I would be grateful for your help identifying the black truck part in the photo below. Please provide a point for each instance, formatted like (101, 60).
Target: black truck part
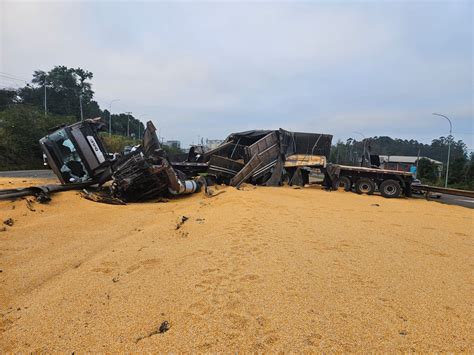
(76, 153)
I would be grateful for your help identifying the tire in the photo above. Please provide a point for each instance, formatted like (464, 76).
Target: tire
(365, 186)
(343, 182)
(390, 189)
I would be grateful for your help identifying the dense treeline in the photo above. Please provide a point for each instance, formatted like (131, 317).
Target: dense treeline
(25, 118)
(461, 166)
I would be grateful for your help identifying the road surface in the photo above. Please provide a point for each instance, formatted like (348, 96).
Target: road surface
(42, 174)
(45, 174)
(454, 200)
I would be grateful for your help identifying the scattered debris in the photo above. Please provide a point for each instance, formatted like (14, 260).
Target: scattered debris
(29, 205)
(163, 328)
(3, 229)
(100, 196)
(183, 234)
(246, 187)
(181, 222)
(9, 222)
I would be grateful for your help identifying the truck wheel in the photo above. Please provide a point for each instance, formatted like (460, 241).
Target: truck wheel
(365, 186)
(343, 182)
(390, 189)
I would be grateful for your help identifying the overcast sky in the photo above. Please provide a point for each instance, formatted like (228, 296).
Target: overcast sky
(210, 68)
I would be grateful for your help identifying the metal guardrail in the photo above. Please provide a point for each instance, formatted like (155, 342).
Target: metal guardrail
(443, 190)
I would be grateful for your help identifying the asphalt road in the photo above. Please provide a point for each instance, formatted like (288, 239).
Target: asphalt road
(45, 174)
(454, 200)
(42, 174)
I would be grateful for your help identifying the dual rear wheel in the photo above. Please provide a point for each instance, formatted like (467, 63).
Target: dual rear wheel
(365, 186)
(344, 183)
(388, 188)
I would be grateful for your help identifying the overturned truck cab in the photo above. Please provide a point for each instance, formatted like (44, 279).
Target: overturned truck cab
(77, 154)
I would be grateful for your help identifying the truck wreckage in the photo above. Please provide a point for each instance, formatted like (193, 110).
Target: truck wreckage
(78, 157)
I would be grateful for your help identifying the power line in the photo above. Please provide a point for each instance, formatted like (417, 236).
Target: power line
(14, 76)
(12, 79)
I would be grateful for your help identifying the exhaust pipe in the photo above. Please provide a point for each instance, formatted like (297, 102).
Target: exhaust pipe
(185, 187)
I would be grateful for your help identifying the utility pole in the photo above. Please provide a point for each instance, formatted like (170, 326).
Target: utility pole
(110, 115)
(45, 106)
(449, 146)
(128, 124)
(139, 124)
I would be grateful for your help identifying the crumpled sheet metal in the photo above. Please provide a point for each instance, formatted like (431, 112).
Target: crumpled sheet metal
(264, 153)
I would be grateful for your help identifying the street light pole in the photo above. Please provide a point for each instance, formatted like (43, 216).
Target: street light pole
(80, 106)
(128, 124)
(110, 115)
(449, 146)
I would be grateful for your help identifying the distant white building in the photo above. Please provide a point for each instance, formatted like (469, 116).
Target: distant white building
(405, 163)
(173, 144)
(213, 143)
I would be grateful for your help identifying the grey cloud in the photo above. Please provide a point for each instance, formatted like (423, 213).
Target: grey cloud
(212, 68)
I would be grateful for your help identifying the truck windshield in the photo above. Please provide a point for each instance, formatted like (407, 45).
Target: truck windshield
(72, 168)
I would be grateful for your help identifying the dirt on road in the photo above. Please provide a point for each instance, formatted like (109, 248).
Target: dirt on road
(258, 269)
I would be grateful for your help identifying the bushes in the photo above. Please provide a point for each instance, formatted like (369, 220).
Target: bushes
(21, 127)
(427, 171)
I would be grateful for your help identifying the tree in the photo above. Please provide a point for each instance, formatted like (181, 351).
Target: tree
(427, 171)
(8, 98)
(64, 89)
(469, 173)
